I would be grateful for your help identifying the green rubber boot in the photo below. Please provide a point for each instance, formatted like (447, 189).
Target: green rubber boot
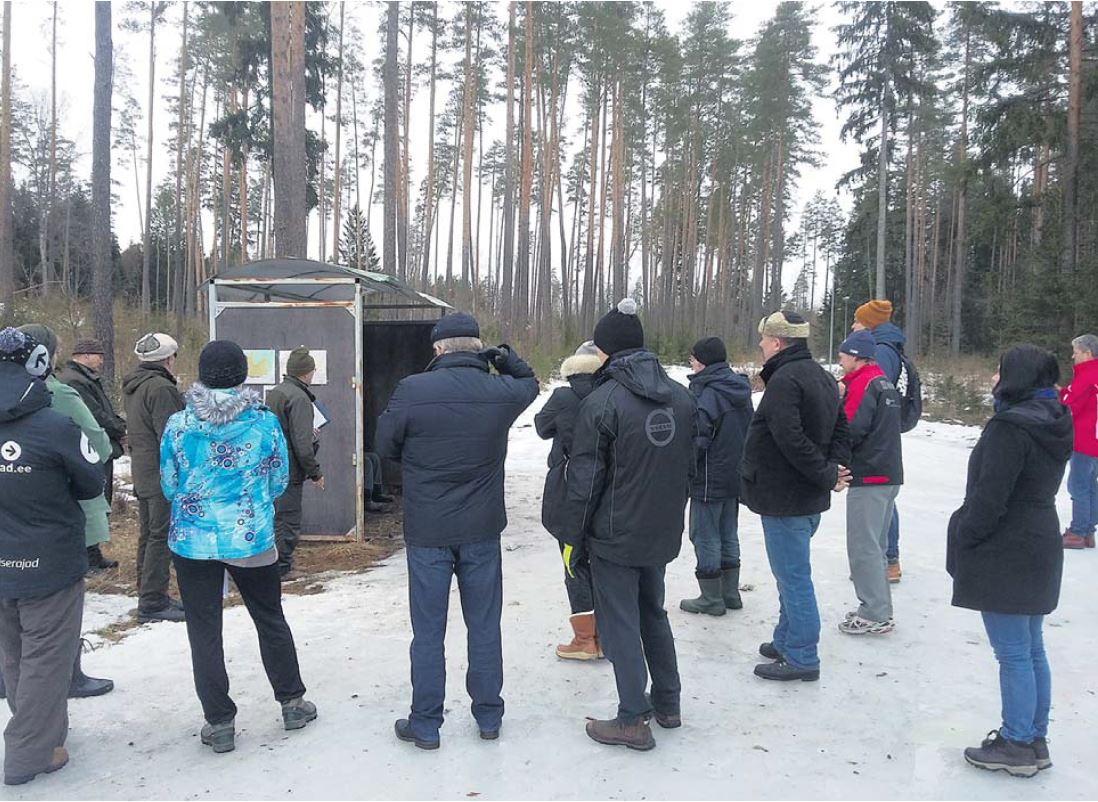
(711, 602)
(730, 588)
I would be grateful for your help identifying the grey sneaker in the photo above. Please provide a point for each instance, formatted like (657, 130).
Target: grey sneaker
(1040, 746)
(997, 753)
(220, 737)
(856, 625)
(296, 713)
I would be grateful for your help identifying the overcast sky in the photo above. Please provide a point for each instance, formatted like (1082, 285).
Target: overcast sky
(31, 58)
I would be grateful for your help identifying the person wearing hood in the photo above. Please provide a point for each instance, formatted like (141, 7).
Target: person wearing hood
(724, 413)
(448, 427)
(629, 477)
(872, 407)
(796, 454)
(223, 462)
(67, 401)
(1081, 397)
(1004, 551)
(556, 421)
(47, 466)
(875, 316)
(151, 396)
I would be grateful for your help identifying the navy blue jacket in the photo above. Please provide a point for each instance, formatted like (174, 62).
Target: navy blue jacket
(448, 426)
(631, 465)
(46, 466)
(557, 420)
(724, 413)
(890, 344)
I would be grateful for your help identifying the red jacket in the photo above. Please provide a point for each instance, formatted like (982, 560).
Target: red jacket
(1081, 397)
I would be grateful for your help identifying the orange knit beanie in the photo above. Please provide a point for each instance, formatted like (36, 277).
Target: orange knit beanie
(873, 313)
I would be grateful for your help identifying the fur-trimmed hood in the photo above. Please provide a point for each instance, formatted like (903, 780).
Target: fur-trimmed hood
(220, 406)
(579, 364)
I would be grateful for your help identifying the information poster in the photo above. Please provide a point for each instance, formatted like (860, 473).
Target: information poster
(321, 359)
(261, 367)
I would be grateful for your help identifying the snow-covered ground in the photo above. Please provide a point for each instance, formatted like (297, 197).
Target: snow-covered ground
(888, 718)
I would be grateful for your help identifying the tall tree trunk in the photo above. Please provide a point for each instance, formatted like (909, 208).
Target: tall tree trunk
(146, 238)
(337, 212)
(102, 264)
(509, 179)
(960, 250)
(242, 190)
(882, 199)
(403, 210)
(392, 146)
(288, 100)
(177, 247)
(1071, 156)
(47, 257)
(467, 153)
(7, 222)
(527, 166)
(429, 193)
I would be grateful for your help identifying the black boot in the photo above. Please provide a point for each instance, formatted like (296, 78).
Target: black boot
(3, 688)
(97, 562)
(82, 686)
(997, 753)
(373, 506)
(380, 496)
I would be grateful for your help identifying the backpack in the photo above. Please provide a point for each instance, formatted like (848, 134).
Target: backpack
(910, 388)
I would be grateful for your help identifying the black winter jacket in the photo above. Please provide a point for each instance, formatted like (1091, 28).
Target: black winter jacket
(797, 439)
(151, 397)
(631, 465)
(448, 426)
(872, 407)
(292, 403)
(556, 420)
(1005, 553)
(89, 383)
(47, 465)
(724, 413)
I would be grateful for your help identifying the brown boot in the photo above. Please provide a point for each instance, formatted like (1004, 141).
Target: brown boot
(585, 644)
(613, 732)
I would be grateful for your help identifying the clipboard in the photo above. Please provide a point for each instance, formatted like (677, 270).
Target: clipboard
(321, 416)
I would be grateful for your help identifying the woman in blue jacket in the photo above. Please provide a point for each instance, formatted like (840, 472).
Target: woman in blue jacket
(222, 464)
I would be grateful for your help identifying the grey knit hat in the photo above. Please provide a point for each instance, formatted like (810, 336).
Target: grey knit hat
(780, 325)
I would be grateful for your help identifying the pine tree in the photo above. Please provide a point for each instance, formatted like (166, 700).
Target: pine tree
(356, 246)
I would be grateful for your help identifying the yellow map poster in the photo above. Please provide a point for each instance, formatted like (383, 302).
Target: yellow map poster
(262, 367)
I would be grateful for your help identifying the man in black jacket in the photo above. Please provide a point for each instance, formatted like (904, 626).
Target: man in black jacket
(628, 482)
(724, 413)
(557, 420)
(292, 403)
(47, 465)
(795, 455)
(151, 397)
(448, 426)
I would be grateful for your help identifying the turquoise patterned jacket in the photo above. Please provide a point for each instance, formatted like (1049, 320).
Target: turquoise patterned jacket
(222, 464)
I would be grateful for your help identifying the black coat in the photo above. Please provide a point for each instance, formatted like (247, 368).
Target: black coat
(47, 465)
(1005, 553)
(557, 420)
(872, 404)
(151, 397)
(448, 426)
(797, 439)
(292, 403)
(724, 413)
(89, 383)
(631, 465)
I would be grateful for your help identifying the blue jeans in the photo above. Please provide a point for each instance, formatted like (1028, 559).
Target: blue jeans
(892, 553)
(1025, 682)
(787, 547)
(714, 527)
(480, 584)
(1083, 487)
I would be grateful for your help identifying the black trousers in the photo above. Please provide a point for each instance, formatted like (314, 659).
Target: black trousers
(200, 584)
(578, 587)
(636, 636)
(154, 561)
(108, 481)
(287, 524)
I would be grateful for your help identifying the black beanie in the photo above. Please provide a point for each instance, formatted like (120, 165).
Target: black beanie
(620, 329)
(710, 351)
(458, 324)
(222, 365)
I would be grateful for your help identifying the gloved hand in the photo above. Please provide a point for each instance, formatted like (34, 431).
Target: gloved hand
(495, 356)
(569, 555)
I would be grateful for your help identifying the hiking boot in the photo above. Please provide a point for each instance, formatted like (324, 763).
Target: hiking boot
(403, 729)
(710, 602)
(381, 498)
(373, 506)
(997, 753)
(82, 686)
(298, 712)
(856, 625)
(58, 761)
(894, 572)
(768, 651)
(730, 588)
(1040, 746)
(613, 732)
(585, 643)
(489, 735)
(669, 721)
(1074, 541)
(97, 562)
(168, 612)
(220, 737)
(782, 671)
